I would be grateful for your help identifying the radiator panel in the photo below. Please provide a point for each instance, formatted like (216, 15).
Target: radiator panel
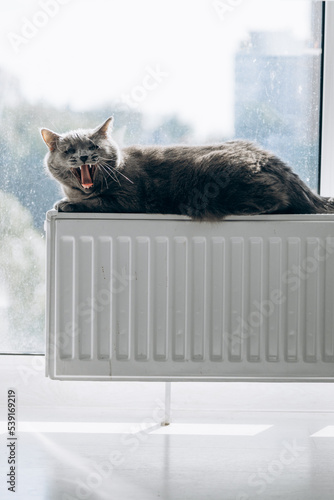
(167, 298)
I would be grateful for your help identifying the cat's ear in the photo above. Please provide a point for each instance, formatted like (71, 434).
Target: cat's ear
(105, 127)
(50, 138)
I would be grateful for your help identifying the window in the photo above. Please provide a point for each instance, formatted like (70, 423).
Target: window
(169, 72)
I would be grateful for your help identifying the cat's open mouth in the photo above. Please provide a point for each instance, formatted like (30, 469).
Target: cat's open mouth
(85, 175)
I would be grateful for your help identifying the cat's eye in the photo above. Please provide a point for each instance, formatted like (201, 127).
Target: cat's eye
(70, 151)
(93, 146)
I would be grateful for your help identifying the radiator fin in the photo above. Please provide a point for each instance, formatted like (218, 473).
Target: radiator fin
(122, 287)
(85, 305)
(218, 305)
(180, 305)
(198, 288)
(275, 299)
(66, 323)
(293, 299)
(142, 291)
(256, 316)
(311, 275)
(161, 299)
(238, 328)
(103, 298)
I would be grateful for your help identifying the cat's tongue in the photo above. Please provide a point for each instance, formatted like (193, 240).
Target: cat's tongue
(86, 180)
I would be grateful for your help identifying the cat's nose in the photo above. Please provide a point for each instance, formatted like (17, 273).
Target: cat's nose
(83, 158)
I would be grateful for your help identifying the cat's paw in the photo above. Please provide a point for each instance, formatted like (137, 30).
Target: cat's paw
(65, 206)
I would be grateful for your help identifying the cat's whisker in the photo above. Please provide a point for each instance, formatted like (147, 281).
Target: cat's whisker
(110, 170)
(111, 174)
(104, 177)
(115, 169)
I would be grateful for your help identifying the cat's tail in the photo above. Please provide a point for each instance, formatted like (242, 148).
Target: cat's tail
(305, 201)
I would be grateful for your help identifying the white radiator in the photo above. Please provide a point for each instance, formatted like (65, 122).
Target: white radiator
(151, 297)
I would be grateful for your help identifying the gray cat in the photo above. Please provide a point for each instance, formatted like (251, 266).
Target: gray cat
(203, 182)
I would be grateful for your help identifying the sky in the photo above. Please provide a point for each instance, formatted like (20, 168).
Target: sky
(160, 57)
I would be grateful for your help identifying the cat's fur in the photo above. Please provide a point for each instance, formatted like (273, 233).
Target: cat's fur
(204, 182)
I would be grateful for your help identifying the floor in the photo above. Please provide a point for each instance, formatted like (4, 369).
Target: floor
(225, 441)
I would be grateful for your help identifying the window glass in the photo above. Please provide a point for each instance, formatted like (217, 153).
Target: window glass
(171, 72)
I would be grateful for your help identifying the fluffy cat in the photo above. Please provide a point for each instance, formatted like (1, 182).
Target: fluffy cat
(203, 182)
